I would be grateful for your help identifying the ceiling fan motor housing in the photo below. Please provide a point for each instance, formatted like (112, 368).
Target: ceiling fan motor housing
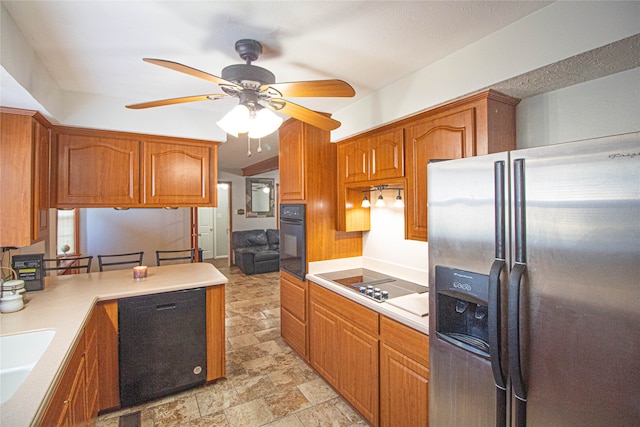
(239, 73)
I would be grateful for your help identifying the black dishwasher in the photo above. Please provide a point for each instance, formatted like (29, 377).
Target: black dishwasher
(162, 344)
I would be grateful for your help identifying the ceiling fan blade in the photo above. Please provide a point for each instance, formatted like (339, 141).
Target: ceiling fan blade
(171, 101)
(303, 114)
(191, 71)
(314, 88)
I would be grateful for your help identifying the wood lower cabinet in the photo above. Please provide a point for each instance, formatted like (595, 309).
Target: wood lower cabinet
(344, 348)
(73, 401)
(293, 312)
(116, 169)
(24, 173)
(404, 375)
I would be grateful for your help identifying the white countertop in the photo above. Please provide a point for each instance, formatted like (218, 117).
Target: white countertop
(419, 323)
(64, 306)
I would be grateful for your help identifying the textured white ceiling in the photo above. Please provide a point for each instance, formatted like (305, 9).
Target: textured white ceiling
(96, 47)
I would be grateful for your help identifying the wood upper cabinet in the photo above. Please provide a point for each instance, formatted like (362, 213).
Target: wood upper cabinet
(404, 375)
(353, 161)
(481, 124)
(97, 171)
(447, 137)
(116, 169)
(179, 174)
(344, 348)
(292, 158)
(24, 173)
(373, 157)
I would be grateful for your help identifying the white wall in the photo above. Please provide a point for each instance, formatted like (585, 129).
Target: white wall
(606, 106)
(238, 201)
(108, 231)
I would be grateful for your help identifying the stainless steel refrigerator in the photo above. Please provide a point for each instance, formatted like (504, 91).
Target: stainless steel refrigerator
(534, 271)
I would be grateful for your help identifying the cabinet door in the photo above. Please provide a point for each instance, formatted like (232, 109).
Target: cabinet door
(323, 337)
(41, 187)
(359, 370)
(293, 313)
(179, 174)
(446, 137)
(97, 171)
(292, 162)
(387, 155)
(353, 161)
(404, 390)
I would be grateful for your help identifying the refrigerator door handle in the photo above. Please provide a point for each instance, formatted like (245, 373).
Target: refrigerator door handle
(494, 303)
(518, 271)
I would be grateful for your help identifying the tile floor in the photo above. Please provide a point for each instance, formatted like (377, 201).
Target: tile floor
(267, 384)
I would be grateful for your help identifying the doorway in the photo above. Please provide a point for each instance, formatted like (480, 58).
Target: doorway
(214, 228)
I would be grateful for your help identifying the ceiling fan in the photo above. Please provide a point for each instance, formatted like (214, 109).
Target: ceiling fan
(258, 93)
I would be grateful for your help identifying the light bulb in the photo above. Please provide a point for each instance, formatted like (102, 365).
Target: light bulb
(263, 123)
(365, 202)
(399, 203)
(380, 202)
(235, 121)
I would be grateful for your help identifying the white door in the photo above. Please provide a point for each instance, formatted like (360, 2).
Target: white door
(205, 232)
(222, 220)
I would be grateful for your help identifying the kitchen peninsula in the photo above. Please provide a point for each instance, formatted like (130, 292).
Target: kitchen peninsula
(71, 304)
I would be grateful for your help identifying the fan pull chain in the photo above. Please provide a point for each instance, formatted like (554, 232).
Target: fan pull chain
(259, 145)
(248, 146)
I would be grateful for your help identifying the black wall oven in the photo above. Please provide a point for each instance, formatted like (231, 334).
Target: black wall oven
(293, 244)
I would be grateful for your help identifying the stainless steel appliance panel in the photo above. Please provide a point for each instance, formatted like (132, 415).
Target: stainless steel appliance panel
(567, 336)
(580, 294)
(461, 235)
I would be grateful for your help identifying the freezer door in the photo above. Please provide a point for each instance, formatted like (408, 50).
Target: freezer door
(579, 296)
(462, 221)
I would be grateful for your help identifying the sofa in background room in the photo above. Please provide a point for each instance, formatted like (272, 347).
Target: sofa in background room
(256, 251)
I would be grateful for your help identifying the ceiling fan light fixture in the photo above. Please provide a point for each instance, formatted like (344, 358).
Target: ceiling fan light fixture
(235, 121)
(263, 123)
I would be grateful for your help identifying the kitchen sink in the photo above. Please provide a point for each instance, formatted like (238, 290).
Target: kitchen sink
(19, 353)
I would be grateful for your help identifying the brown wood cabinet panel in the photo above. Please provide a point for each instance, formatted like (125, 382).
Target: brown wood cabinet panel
(216, 338)
(109, 383)
(24, 173)
(323, 338)
(178, 174)
(387, 155)
(413, 343)
(97, 171)
(353, 161)
(292, 161)
(359, 369)
(343, 351)
(358, 315)
(404, 390)
(447, 137)
(404, 375)
(67, 406)
(41, 179)
(91, 357)
(294, 332)
(293, 296)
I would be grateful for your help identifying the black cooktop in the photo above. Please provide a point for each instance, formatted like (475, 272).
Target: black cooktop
(377, 286)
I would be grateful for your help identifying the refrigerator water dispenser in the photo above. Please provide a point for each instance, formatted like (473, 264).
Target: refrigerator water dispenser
(461, 309)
